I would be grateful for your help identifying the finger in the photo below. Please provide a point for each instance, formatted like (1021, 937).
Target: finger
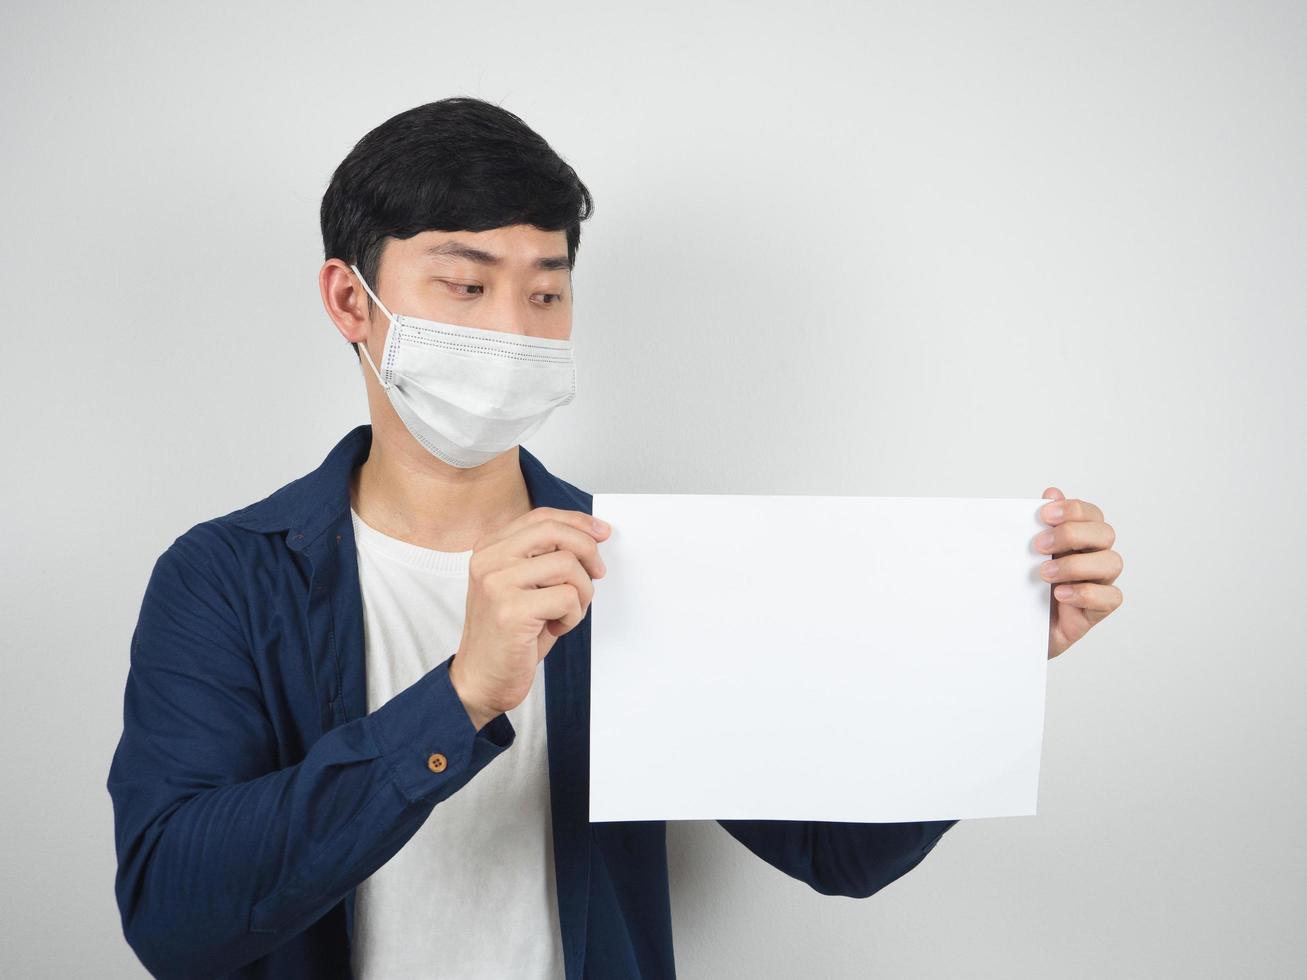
(1090, 566)
(1062, 511)
(542, 536)
(542, 571)
(557, 602)
(575, 518)
(1075, 536)
(1089, 596)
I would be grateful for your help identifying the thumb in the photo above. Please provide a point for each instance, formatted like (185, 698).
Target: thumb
(1053, 493)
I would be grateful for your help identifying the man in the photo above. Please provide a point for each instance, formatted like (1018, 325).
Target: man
(356, 722)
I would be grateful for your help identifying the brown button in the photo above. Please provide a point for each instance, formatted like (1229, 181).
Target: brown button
(436, 762)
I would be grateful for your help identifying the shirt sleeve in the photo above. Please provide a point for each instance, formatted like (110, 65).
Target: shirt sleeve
(224, 851)
(855, 860)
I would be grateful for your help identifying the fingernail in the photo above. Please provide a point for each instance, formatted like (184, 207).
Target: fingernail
(1064, 592)
(1045, 541)
(600, 525)
(1054, 513)
(1049, 569)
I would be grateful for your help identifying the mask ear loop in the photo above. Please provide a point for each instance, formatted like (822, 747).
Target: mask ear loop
(389, 316)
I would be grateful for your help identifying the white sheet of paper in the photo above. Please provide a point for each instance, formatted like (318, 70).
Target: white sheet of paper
(869, 659)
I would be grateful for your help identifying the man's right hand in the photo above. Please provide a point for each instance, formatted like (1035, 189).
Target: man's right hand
(528, 583)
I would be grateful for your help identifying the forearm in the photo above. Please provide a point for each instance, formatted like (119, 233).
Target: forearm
(213, 877)
(835, 858)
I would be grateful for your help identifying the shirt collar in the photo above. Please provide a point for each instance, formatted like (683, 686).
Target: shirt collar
(307, 506)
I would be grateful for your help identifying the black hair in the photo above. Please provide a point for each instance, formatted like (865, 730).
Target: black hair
(457, 164)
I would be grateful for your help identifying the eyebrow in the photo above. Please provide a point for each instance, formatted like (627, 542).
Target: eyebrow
(464, 251)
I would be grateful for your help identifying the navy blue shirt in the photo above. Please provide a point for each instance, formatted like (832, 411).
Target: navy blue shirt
(252, 791)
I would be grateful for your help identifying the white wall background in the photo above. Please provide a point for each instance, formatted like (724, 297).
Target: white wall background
(945, 249)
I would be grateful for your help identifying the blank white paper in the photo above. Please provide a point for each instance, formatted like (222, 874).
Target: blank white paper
(870, 659)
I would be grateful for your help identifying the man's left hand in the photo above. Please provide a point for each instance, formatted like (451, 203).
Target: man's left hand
(1082, 568)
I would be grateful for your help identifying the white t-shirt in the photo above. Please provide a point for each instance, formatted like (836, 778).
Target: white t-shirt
(471, 896)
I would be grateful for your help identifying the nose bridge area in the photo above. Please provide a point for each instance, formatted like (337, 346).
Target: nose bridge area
(509, 309)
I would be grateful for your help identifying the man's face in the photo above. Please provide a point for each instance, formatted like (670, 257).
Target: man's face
(514, 279)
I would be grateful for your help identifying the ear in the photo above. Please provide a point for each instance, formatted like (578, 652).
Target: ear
(344, 300)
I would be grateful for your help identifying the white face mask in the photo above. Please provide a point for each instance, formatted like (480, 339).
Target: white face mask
(468, 394)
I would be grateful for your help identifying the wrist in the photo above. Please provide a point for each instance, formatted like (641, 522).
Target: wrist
(476, 713)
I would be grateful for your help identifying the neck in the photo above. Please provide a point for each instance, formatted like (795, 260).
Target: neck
(405, 492)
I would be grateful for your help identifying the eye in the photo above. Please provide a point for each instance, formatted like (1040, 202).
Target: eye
(459, 287)
(557, 297)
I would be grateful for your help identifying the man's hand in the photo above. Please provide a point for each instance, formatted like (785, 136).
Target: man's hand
(529, 582)
(1082, 566)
